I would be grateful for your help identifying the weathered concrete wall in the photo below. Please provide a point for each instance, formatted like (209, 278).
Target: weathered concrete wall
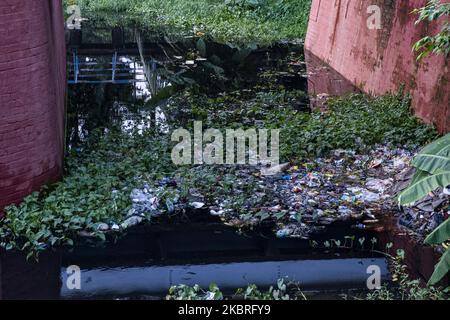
(32, 93)
(376, 61)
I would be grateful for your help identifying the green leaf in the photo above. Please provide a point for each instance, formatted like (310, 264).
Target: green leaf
(441, 268)
(423, 187)
(440, 234)
(419, 175)
(242, 54)
(216, 69)
(431, 163)
(213, 287)
(439, 147)
(102, 236)
(201, 47)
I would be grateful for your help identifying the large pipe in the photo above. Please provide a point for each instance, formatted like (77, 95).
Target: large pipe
(311, 274)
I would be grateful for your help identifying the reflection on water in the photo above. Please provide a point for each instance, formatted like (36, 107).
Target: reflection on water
(137, 122)
(116, 91)
(127, 67)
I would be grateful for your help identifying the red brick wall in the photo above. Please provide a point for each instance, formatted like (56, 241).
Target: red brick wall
(377, 61)
(32, 92)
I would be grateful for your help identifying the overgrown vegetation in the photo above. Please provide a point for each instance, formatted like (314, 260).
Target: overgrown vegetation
(351, 122)
(95, 189)
(282, 291)
(236, 21)
(101, 175)
(441, 236)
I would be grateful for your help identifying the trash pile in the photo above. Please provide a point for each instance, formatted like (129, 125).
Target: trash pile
(307, 197)
(343, 187)
(301, 200)
(147, 203)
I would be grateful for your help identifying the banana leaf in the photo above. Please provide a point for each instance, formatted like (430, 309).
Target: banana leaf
(441, 268)
(439, 147)
(419, 175)
(431, 163)
(445, 151)
(423, 187)
(440, 234)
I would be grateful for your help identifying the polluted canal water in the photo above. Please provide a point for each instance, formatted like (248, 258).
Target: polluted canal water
(320, 223)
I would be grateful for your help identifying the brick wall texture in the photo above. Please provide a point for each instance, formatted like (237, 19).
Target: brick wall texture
(32, 94)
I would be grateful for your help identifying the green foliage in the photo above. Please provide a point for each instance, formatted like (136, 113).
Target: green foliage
(237, 21)
(439, 43)
(95, 190)
(433, 171)
(252, 292)
(184, 292)
(424, 186)
(405, 288)
(439, 236)
(351, 122)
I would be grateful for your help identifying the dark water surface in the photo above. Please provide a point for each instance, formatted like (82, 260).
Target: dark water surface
(150, 259)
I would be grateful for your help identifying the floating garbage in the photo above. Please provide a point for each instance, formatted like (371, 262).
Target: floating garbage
(364, 195)
(197, 205)
(131, 221)
(144, 201)
(426, 214)
(217, 212)
(446, 191)
(103, 227)
(344, 186)
(283, 233)
(379, 185)
(301, 198)
(345, 211)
